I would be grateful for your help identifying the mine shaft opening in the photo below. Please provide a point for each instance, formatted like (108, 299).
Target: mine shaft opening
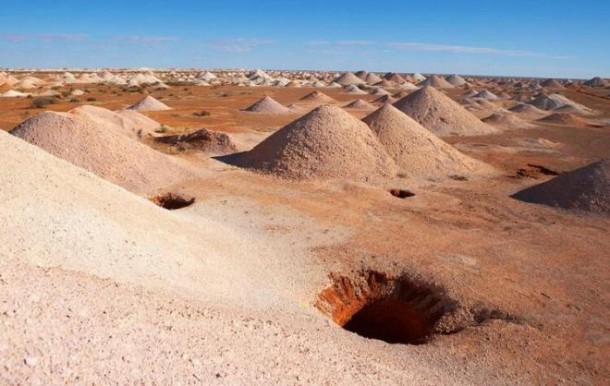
(172, 201)
(392, 321)
(401, 193)
(394, 310)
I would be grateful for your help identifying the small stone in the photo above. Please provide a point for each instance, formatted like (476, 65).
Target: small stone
(30, 361)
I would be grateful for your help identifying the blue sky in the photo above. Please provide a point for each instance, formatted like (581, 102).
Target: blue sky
(551, 38)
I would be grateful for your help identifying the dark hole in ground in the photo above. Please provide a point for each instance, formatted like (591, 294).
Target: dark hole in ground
(394, 310)
(534, 171)
(172, 201)
(401, 193)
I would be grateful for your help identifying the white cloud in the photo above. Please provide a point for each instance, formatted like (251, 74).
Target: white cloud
(458, 49)
(148, 40)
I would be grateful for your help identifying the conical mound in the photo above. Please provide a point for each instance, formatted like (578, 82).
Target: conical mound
(348, 78)
(149, 104)
(55, 214)
(526, 108)
(564, 119)
(505, 119)
(553, 84)
(597, 82)
(436, 82)
(456, 80)
(440, 114)
(326, 143)
(587, 188)
(268, 105)
(385, 99)
(103, 150)
(318, 96)
(129, 122)
(359, 104)
(417, 151)
(372, 78)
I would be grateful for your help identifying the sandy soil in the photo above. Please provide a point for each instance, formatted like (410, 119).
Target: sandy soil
(538, 275)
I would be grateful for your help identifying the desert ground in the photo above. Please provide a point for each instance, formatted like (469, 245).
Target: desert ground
(304, 241)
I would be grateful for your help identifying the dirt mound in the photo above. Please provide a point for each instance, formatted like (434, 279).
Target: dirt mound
(436, 82)
(318, 96)
(202, 140)
(587, 188)
(564, 119)
(106, 152)
(354, 90)
(440, 114)
(394, 77)
(322, 144)
(149, 104)
(268, 105)
(487, 95)
(554, 101)
(349, 78)
(415, 149)
(552, 84)
(597, 82)
(456, 80)
(372, 78)
(386, 84)
(359, 104)
(129, 122)
(385, 99)
(526, 108)
(507, 120)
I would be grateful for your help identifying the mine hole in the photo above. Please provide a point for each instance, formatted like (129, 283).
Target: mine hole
(172, 201)
(401, 193)
(398, 310)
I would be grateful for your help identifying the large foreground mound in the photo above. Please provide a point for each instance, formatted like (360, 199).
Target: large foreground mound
(440, 114)
(268, 105)
(106, 152)
(149, 104)
(416, 150)
(326, 143)
(587, 188)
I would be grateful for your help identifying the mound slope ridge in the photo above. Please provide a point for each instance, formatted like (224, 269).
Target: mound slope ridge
(440, 114)
(417, 151)
(587, 189)
(268, 105)
(325, 143)
(129, 122)
(103, 150)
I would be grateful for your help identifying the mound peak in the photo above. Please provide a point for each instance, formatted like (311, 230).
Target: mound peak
(440, 114)
(323, 144)
(587, 188)
(348, 78)
(102, 149)
(268, 105)
(318, 96)
(149, 103)
(416, 150)
(436, 82)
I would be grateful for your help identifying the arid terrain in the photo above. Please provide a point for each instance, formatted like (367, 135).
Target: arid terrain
(299, 240)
